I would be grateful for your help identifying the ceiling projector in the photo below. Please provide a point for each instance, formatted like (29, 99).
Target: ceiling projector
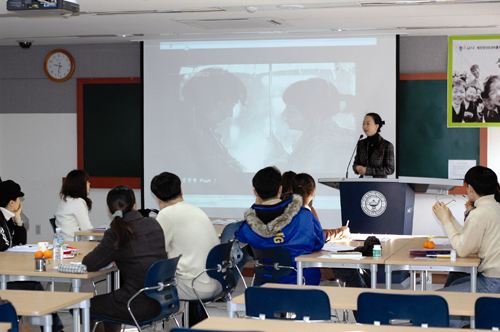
(43, 8)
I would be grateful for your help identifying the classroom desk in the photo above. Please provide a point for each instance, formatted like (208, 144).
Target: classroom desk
(90, 235)
(313, 260)
(402, 261)
(279, 325)
(460, 304)
(39, 306)
(21, 267)
(5, 326)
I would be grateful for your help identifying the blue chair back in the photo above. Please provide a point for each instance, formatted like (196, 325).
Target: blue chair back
(219, 267)
(8, 315)
(163, 271)
(290, 304)
(53, 223)
(486, 312)
(402, 309)
(271, 265)
(240, 255)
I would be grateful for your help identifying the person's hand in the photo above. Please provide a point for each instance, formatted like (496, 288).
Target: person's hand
(17, 213)
(442, 212)
(346, 232)
(468, 115)
(469, 206)
(361, 170)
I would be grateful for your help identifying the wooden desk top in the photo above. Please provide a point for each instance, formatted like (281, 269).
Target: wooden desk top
(402, 257)
(389, 248)
(23, 264)
(32, 303)
(346, 298)
(5, 326)
(278, 325)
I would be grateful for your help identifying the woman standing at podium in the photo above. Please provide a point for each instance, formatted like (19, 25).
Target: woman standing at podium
(374, 155)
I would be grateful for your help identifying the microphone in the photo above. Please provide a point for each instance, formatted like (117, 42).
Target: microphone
(350, 160)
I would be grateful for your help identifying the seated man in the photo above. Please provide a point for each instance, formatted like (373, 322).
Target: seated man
(188, 232)
(272, 222)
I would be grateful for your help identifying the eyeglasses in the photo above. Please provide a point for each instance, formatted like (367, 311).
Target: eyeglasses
(452, 200)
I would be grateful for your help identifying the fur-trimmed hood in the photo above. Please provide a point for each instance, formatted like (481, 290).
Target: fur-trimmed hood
(269, 229)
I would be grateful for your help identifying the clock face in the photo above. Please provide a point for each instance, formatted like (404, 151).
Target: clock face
(59, 65)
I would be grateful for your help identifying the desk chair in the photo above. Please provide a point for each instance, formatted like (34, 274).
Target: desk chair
(8, 314)
(219, 267)
(288, 304)
(271, 265)
(53, 224)
(160, 285)
(239, 255)
(486, 312)
(399, 309)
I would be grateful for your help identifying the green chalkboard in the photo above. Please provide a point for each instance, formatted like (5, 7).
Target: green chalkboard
(425, 144)
(112, 129)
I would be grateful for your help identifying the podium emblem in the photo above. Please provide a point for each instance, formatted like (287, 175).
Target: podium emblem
(373, 203)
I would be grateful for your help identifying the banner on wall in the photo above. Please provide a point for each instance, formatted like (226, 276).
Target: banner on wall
(474, 81)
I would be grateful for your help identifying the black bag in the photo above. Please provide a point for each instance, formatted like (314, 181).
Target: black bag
(367, 248)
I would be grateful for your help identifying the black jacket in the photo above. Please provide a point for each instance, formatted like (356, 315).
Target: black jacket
(133, 261)
(10, 233)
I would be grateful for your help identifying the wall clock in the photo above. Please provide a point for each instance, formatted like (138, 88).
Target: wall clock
(59, 65)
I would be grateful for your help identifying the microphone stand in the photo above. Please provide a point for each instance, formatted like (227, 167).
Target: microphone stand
(350, 160)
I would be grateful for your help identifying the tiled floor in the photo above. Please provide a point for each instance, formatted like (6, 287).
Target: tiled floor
(215, 309)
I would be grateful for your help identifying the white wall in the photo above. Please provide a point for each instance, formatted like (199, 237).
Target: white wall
(37, 151)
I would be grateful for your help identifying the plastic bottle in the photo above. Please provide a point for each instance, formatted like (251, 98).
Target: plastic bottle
(58, 245)
(377, 251)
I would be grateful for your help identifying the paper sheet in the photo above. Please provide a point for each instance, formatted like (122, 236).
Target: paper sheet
(336, 247)
(342, 257)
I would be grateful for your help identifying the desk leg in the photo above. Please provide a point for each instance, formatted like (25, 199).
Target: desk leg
(373, 271)
(473, 280)
(77, 238)
(231, 308)
(85, 316)
(300, 269)
(4, 280)
(76, 284)
(117, 279)
(109, 283)
(45, 321)
(388, 276)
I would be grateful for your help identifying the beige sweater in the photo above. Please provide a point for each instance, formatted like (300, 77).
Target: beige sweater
(480, 234)
(190, 233)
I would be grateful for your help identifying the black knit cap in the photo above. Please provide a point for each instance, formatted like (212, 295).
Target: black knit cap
(10, 191)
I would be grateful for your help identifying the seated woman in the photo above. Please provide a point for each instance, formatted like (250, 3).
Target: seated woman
(134, 243)
(72, 213)
(305, 186)
(13, 233)
(287, 180)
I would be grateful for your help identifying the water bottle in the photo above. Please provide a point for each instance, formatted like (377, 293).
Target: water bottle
(58, 245)
(377, 251)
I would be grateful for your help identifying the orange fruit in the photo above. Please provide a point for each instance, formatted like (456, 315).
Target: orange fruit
(426, 244)
(39, 254)
(431, 245)
(48, 254)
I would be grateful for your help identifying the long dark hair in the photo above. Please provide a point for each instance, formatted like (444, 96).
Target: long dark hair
(287, 183)
(303, 185)
(75, 186)
(121, 198)
(484, 181)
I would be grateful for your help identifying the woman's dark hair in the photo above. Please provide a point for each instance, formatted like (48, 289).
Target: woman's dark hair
(75, 186)
(303, 185)
(121, 198)
(377, 119)
(484, 181)
(287, 183)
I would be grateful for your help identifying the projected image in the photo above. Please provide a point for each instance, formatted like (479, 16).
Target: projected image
(248, 116)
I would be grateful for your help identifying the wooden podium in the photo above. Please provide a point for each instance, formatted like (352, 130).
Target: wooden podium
(383, 206)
